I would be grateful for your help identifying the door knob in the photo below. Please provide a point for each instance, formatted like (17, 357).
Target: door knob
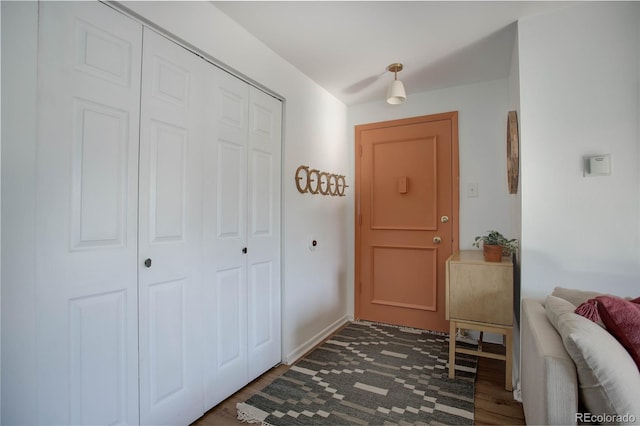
(147, 263)
(244, 250)
(437, 240)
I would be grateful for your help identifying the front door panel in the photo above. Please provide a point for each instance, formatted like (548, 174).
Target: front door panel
(405, 187)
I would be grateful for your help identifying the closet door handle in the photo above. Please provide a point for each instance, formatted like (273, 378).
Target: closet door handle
(147, 263)
(244, 250)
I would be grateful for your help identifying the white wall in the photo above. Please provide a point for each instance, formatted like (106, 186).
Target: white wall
(579, 95)
(514, 105)
(314, 134)
(482, 122)
(516, 223)
(0, 222)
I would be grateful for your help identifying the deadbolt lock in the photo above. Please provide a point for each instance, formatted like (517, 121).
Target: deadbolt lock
(444, 219)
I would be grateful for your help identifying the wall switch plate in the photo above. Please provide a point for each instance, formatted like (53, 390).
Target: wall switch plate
(472, 190)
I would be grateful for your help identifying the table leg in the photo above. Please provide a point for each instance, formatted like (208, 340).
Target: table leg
(509, 359)
(452, 349)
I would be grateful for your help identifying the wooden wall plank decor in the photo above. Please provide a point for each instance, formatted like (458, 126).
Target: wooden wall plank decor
(513, 152)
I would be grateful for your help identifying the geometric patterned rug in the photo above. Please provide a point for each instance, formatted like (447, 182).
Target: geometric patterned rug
(370, 374)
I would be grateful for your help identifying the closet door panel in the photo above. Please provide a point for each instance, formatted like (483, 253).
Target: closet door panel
(97, 339)
(170, 253)
(166, 340)
(231, 182)
(264, 154)
(168, 146)
(99, 175)
(262, 291)
(86, 215)
(229, 295)
(262, 189)
(225, 230)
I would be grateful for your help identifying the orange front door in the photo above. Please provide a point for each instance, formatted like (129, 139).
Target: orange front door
(406, 219)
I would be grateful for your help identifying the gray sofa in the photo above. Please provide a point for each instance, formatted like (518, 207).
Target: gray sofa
(572, 367)
(549, 382)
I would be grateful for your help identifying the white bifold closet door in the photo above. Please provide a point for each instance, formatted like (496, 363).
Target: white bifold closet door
(158, 224)
(263, 233)
(173, 130)
(242, 236)
(87, 215)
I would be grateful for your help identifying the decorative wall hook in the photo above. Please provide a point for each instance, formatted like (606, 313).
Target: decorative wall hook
(316, 182)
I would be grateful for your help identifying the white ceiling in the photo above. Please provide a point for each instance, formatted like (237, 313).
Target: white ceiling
(346, 46)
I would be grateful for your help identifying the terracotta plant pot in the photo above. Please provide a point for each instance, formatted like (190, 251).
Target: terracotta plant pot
(492, 253)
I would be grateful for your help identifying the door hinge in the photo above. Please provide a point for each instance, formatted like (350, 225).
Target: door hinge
(360, 219)
(360, 150)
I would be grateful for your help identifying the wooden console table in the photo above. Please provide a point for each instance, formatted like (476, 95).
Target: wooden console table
(480, 297)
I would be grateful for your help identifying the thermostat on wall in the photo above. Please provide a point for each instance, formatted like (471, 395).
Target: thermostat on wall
(597, 165)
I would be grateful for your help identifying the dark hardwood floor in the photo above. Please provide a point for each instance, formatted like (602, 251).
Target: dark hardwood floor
(493, 404)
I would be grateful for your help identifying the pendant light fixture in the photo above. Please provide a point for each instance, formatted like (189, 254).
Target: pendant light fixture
(395, 93)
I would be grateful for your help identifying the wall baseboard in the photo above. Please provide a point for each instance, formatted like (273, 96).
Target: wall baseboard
(301, 350)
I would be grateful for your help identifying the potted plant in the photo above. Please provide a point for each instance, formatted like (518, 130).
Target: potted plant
(495, 245)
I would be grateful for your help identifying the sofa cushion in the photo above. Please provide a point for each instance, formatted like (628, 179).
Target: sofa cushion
(607, 375)
(576, 297)
(622, 319)
(556, 307)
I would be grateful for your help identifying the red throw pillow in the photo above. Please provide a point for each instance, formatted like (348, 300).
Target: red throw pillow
(622, 319)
